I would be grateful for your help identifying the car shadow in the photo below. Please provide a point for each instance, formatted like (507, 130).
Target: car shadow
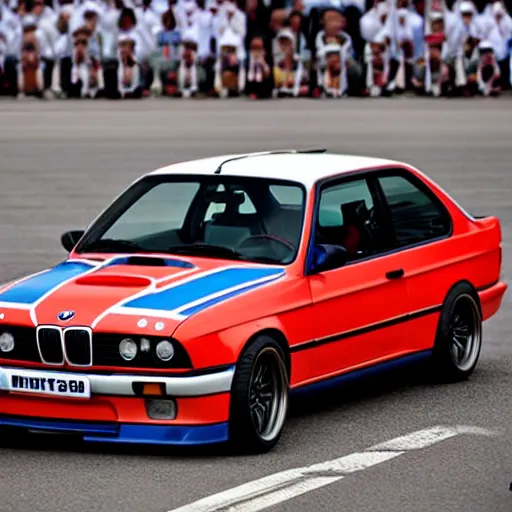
(343, 395)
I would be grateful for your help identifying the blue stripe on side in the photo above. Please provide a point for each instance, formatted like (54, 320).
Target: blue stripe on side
(196, 309)
(363, 373)
(181, 295)
(32, 289)
(128, 434)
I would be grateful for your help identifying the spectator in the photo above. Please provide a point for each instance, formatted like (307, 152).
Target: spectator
(290, 78)
(189, 72)
(230, 68)
(488, 73)
(129, 72)
(86, 73)
(260, 48)
(166, 57)
(259, 73)
(30, 71)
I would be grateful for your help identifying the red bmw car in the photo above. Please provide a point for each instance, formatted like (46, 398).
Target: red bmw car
(210, 290)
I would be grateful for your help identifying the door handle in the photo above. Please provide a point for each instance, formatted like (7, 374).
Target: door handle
(395, 274)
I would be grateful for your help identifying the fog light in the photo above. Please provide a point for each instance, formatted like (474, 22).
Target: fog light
(6, 342)
(164, 350)
(128, 349)
(161, 409)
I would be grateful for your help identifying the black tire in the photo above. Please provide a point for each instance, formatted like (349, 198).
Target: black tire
(245, 435)
(459, 335)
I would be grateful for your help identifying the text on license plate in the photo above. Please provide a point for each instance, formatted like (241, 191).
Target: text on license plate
(48, 383)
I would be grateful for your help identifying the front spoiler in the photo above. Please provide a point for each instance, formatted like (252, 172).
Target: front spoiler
(175, 435)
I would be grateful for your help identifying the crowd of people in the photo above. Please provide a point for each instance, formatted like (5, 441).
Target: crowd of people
(255, 48)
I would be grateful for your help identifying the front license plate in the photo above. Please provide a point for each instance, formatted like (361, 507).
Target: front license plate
(45, 383)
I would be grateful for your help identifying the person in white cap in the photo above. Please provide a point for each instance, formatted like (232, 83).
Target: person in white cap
(377, 64)
(500, 37)
(128, 73)
(488, 73)
(333, 32)
(189, 70)
(86, 72)
(334, 77)
(462, 38)
(229, 68)
(290, 79)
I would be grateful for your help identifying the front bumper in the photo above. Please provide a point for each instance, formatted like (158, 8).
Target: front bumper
(116, 413)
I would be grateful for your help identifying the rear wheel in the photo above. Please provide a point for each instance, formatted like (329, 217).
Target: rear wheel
(259, 397)
(459, 336)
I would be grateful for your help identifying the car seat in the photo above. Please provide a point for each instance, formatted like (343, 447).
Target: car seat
(354, 225)
(230, 227)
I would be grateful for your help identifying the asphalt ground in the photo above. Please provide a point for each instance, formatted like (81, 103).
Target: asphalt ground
(62, 162)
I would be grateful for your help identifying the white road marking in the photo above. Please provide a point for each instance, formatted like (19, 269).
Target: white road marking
(273, 489)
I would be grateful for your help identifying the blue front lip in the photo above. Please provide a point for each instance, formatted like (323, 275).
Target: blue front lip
(176, 435)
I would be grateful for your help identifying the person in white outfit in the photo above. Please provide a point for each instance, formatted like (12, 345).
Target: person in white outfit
(129, 72)
(86, 72)
(11, 33)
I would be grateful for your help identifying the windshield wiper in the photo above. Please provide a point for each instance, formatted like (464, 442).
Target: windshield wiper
(205, 250)
(109, 244)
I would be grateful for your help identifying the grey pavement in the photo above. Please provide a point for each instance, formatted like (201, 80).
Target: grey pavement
(62, 162)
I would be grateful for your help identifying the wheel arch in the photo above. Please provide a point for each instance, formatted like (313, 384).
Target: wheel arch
(467, 282)
(277, 335)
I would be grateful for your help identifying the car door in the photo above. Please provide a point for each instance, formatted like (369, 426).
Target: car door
(421, 228)
(358, 308)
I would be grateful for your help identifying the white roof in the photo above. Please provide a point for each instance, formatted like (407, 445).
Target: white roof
(305, 168)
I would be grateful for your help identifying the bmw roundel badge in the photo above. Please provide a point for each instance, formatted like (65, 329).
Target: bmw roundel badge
(66, 315)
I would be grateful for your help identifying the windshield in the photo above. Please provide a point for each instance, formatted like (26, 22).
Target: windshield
(248, 219)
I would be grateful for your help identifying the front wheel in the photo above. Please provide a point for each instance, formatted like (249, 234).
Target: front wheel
(459, 336)
(259, 397)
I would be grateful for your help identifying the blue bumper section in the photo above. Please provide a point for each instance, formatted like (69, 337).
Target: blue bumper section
(122, 433)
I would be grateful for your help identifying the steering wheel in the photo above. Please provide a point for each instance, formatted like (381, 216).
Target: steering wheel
(282, 241)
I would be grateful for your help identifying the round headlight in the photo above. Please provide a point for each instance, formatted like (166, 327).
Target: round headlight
(164, 350)
(6, 342)
(128, 349)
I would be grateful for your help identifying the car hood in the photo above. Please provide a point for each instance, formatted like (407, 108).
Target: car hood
(129, 294)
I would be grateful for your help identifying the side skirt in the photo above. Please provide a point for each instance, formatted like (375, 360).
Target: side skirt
(362, 373)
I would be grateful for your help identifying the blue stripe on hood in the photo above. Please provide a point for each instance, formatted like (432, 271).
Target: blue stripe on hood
(32, 289)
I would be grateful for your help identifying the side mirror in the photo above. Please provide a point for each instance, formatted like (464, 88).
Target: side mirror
(70, 239)
(328, 257)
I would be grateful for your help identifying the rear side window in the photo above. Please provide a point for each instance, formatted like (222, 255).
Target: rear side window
(416, 216)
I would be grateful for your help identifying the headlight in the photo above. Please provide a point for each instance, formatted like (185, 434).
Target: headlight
(164, 350)
(6, 342)
(128, 349)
